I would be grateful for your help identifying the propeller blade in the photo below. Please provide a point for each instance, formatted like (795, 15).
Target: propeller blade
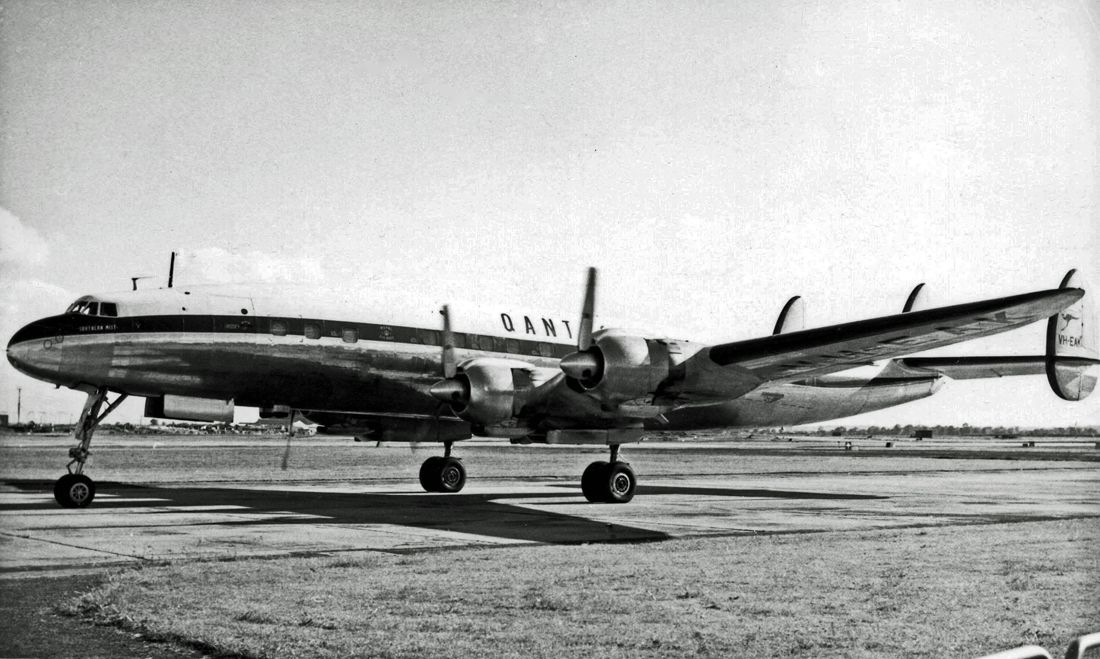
(584, 334)
(450, 365)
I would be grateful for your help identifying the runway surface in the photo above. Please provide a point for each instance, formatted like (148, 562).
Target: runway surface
(325, 504)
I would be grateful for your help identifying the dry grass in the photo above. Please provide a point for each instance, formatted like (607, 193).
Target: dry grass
(951, 591)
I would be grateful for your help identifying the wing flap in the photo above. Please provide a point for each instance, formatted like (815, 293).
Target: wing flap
(823, 350)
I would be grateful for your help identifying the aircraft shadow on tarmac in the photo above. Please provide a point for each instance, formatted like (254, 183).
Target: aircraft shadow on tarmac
(478, 514)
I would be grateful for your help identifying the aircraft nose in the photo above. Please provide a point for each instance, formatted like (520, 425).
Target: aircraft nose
(36, 349)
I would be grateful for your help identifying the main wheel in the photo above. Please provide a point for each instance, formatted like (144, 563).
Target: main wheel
(621, 483)
(452, 475)
(594, 482)
(430, 473)
(74, 491)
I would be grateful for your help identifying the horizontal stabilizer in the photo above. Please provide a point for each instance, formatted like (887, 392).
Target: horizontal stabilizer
(972, 368)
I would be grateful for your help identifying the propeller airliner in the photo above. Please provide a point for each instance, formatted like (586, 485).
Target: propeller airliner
(399, 372)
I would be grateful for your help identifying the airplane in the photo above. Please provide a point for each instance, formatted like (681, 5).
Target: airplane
(399, 372)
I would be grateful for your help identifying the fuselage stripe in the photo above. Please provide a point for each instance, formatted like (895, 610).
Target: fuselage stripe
(57, 327)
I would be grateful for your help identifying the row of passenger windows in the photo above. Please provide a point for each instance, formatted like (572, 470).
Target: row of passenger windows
(422, 336)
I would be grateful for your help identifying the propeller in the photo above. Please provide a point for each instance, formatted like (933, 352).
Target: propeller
(584, 363)
(448, 389)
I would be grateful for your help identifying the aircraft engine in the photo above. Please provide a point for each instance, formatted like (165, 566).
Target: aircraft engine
(486, 392)
(618, 367)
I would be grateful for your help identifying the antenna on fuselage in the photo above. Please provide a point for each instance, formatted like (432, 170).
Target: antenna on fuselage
(171, 269)
(134, 281)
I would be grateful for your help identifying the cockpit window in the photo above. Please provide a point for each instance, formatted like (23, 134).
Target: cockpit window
(85, 307)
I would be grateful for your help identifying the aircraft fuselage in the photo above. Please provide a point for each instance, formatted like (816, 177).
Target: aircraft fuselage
(258, 352)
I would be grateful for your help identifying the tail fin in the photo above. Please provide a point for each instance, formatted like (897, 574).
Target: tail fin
(917, 300)
(792, 318)
(1071, 356)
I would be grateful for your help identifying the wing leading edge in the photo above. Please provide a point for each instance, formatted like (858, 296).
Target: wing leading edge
(824, 350)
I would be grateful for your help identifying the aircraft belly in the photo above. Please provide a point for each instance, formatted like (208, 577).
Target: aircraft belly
(259, 369)
(794, 404)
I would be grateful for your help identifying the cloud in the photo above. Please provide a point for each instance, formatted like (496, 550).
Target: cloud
(215, 265)
(20, 245)
(24, 300)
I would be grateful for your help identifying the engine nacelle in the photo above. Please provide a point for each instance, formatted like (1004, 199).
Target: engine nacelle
(186, 408)
(487, 392)
(619, 367)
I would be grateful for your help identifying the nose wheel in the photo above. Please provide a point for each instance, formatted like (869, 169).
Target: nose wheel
(74, 489)
(609, 482)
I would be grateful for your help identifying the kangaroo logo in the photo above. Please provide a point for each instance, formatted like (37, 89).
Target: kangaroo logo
(1066, 339)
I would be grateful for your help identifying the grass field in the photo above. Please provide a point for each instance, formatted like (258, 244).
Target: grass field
(963, 589)
(951, 591)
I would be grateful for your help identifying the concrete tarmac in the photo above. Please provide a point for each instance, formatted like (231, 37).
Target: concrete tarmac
(254, 517)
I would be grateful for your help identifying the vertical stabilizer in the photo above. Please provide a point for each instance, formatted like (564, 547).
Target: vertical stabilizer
(1071, 355)
(792, 318)
(917, 300)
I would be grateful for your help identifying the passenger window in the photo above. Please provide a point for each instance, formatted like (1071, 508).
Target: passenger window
(312, 331)
(512, 345)
(108, 309)
(278, 328)
(459, 339)
(545, 349)
(471, 342)
(351, 335)
(494, 343)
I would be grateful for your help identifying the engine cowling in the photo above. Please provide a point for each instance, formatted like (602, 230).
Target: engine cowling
(486, 392)
(619, 367)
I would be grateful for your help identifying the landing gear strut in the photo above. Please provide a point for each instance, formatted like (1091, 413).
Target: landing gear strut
(442, 473)
(74, 489)
(609, 482)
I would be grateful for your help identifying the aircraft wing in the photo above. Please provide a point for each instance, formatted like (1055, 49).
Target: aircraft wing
(823, 350)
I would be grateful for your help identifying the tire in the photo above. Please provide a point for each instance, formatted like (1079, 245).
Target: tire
(429, 473)
(594, 482)
(452, 476)
(621, 483)
(74, 491)
(60, 487)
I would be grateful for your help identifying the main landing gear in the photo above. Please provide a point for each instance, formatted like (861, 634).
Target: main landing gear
(443, 473)
(609, 482)
(74, 489)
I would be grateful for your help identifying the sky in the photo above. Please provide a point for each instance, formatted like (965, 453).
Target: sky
(711, 158)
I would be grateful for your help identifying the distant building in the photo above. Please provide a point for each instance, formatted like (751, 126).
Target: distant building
(3, 420)
(922, 434)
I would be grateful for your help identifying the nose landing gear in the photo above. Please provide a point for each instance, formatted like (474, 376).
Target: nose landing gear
(74, 489)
